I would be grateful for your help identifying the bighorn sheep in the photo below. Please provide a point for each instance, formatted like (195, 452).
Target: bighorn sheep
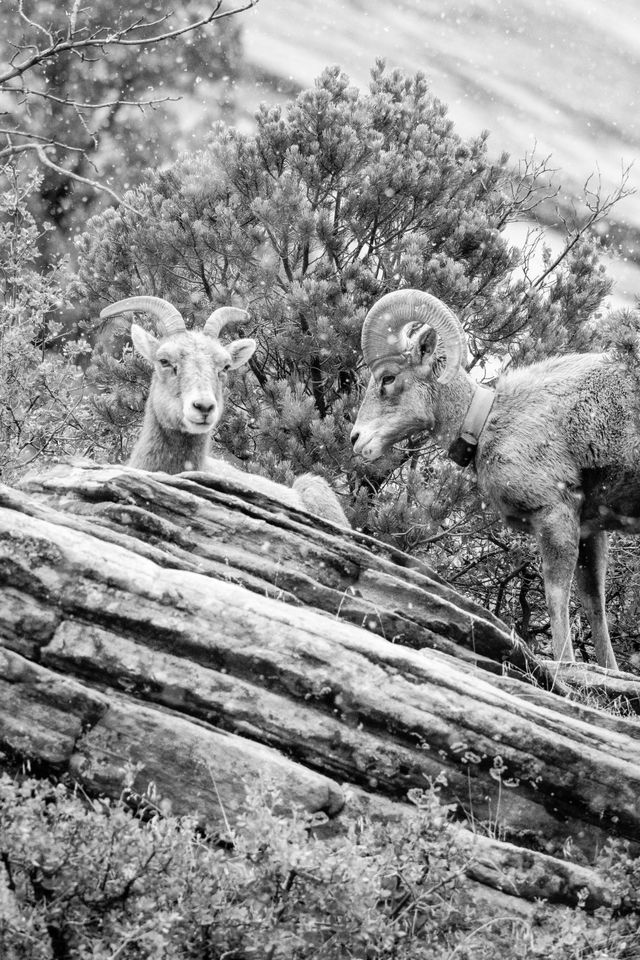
(554, 444)
(185, 401)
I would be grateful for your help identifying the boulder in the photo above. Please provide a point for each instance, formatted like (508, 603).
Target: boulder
(195, 632)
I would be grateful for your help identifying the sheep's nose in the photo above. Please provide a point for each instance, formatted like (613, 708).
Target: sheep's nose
(203, 408)
(355, 433)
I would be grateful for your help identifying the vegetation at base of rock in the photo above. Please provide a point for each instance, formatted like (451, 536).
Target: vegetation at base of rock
(82, 878)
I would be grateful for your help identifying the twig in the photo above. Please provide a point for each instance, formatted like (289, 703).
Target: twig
(222, 810)
(598, 208)
(21, 147)
(44, 159)
(66, 101)
(484, 926)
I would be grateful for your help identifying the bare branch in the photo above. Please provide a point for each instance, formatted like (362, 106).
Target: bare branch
(83, 123)
(81, 41)
(13, 149)
(32, 23)
(81, 105)
(598, 207)
(73, 16)
(119, 38)
(94, 184)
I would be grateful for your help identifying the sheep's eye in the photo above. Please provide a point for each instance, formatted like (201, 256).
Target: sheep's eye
(165, 364)
(388, 380)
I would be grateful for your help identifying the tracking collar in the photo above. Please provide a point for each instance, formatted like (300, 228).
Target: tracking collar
(463, 449)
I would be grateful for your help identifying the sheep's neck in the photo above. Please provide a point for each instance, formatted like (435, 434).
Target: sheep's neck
(450, 408)
(171, 451)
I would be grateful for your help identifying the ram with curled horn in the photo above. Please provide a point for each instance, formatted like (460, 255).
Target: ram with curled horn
(186, 400)
(554, 444)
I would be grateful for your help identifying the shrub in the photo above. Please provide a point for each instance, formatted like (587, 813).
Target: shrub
(91, 879)
(41, 386)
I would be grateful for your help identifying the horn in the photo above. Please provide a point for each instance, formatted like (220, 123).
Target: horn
(169, 319)
(387, 337)
(221, 317)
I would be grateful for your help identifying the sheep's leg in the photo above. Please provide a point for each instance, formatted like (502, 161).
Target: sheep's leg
(590, 578)
(557, 534)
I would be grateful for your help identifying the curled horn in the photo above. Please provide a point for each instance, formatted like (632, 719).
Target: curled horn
(169, 319)
(221, 317)
(389, 330)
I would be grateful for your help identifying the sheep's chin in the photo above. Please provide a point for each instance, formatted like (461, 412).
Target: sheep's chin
(190, 426)
(415, 441)
(378, 446)
(372, 450)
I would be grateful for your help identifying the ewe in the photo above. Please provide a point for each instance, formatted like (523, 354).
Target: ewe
(185, 401)
(554, 445)
(190, 368)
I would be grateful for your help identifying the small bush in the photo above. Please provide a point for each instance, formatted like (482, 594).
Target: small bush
(41, 384)
(82, 879)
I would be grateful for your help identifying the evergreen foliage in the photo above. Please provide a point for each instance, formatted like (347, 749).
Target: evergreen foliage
(332, 202)
(41, 391)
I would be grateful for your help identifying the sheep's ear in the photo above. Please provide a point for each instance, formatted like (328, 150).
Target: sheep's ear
(240, 351)
(426, 343)
(145, 343)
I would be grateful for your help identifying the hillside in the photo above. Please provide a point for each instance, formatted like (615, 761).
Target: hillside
(558, 78)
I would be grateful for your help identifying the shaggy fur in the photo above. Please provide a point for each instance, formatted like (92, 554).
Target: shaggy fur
(558, 457)
(316, 496)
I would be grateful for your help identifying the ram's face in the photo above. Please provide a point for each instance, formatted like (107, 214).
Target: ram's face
(189, 374)
(397, 403)
(412, 343)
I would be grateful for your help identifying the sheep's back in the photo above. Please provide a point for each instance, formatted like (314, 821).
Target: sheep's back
(552, 421)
